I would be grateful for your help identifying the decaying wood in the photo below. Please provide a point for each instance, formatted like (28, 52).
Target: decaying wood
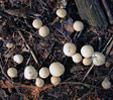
(110, 17)
(90, 11)
(16, 12)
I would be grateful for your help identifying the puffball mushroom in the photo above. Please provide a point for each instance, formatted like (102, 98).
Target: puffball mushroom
(98, 58)
(56, 69)
(106, 84)
(61, 13)
(39, 82)
(55, 80)
(44, 31)
(18, 58)
(44, 72)
(77, 58)
(86, 61)
(78, 26)
(30, 73)
(69, 49)
(37, 23)
(9, 45)
(87, 51)
(12, 72)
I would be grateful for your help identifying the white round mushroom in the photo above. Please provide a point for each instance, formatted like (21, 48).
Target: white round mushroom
(37, 23)
(86, 61)
(98, 58)
(18, 58)
(106, 84)
(77, 58)
(44, 72)
(78, 26)
(12, 72)
(30, 73)
(55, 80)
(39, 82)
(87, 51)
(9, 45)
(56, 69)
(69, 49)
(61, 13)
(44, 31)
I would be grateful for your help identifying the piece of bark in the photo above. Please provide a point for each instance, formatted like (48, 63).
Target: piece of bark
(110, 17)
(91, 11)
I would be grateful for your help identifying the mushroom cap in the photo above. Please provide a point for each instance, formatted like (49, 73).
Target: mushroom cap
(39, 82)
(55, 80)
(37, 23)
(61, 13)
(78, 26)
(56, 69)
(12, 72)
(30, 73)
(87, 51)
(9, 45)
(98, 58)
(44, 31)
(106, 84)
(69, 49)
(77, 58)
(18, 58)
(86, 61)
(44, 72)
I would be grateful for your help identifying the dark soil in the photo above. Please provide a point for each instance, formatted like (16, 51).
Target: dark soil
(17, 16)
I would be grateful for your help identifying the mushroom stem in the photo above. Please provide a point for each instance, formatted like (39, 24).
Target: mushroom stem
(88, 72)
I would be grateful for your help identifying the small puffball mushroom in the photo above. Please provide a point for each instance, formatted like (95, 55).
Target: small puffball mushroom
(87, 51)
(86, 61)
(18, 58)
(56, 69)
(55, 80)
(37, 23)
(69, 49)
(78, 26)
(44, 72)
(61, 13)
(9, 45)
(39, 82)
(98, 58)
(44, 31)
(30, 73)
(106, 84)
(12, 72)
(77, 58)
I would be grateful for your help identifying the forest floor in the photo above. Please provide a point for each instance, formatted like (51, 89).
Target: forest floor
(15, 24)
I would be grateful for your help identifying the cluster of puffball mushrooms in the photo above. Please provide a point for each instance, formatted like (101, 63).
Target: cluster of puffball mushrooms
(87, 56)
(56, 69)
(61, 13)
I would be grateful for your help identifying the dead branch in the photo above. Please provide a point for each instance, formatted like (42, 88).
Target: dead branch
(30, 50)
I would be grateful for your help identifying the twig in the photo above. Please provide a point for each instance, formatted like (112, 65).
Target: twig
(30, 50)
(110, 47)
(3, 72)
(50, 50)
(110, 17)
(88, 72)
(107, 44)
